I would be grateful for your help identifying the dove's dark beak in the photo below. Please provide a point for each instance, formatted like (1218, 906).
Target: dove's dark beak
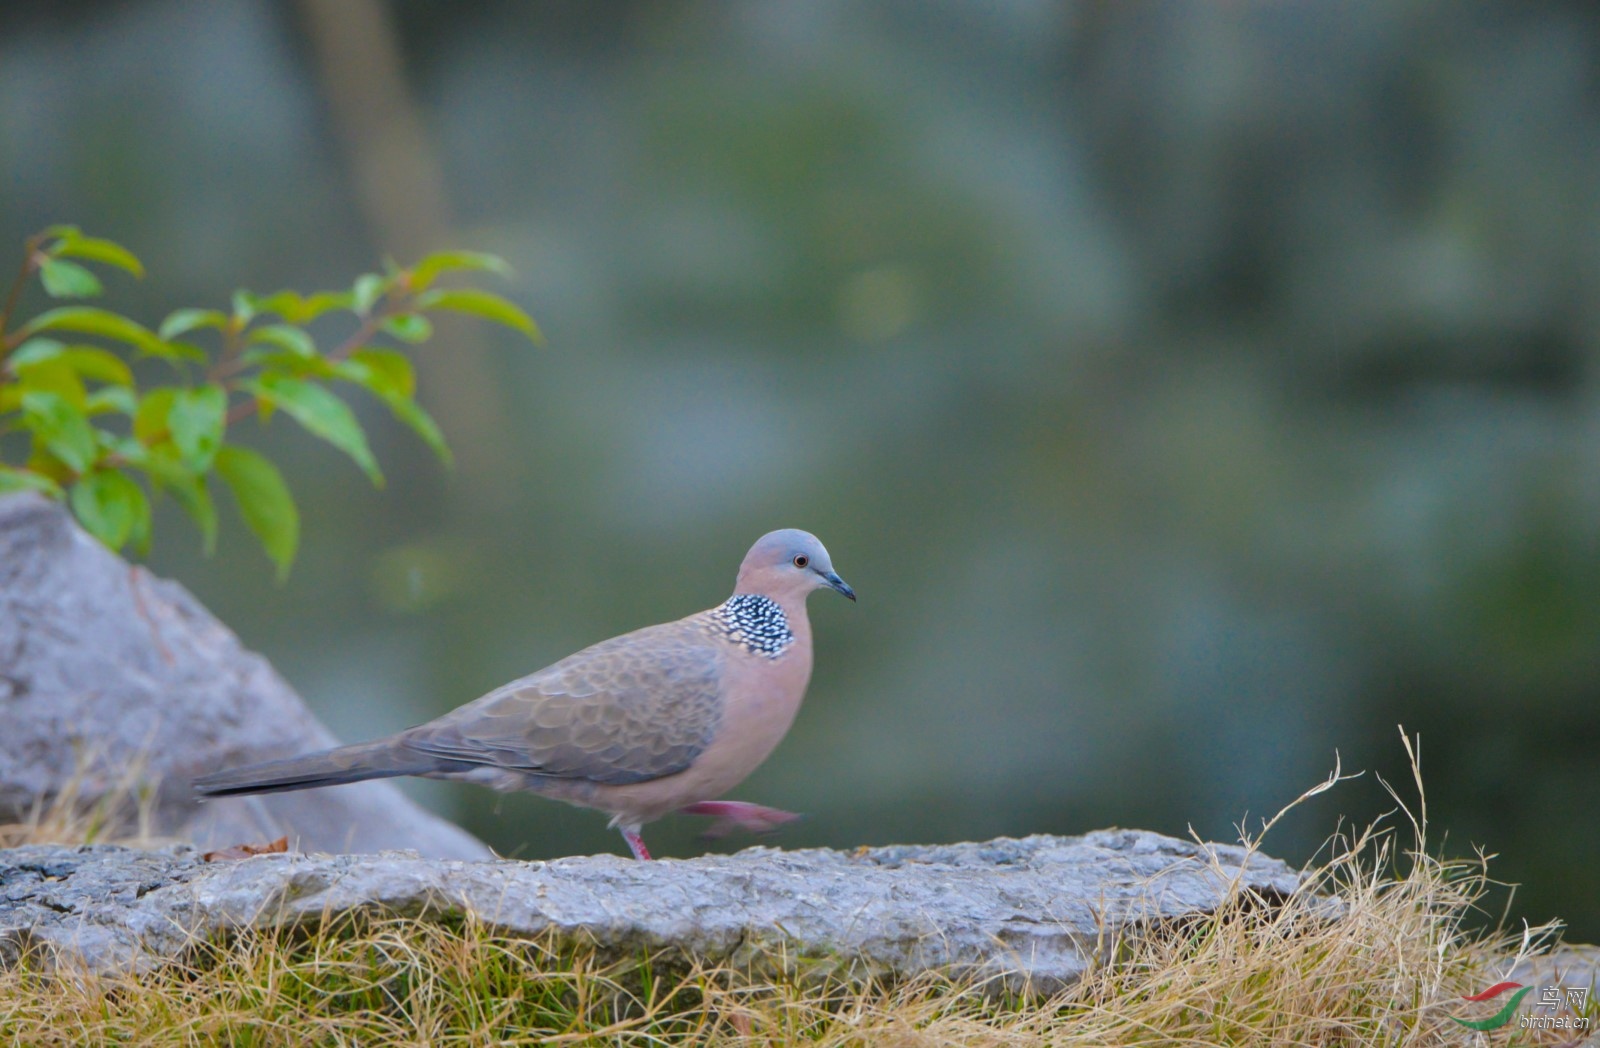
(840, 584)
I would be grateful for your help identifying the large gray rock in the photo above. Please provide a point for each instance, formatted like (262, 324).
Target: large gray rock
(1037, 909)
(101, 662)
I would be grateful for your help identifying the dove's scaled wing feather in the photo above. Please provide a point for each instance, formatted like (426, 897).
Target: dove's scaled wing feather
(633, 708)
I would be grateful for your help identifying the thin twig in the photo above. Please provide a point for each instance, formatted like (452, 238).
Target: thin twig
(368, 328)
(358, 338)
(245, 408)
(30, 249)
(228, 360)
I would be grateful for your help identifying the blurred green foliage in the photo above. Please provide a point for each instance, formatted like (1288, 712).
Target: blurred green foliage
(92, 426)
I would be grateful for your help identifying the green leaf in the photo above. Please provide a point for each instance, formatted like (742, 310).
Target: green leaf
(264, 502)
(150, 420)
(91, 320)
(244, 307)
(366, 292)
(383, 372)
(62, 428)
(321, 413)
(482, 304)
(409, 327)
(425, 272)
(27, 480)
(141, 536)
(53, 375)
(111, 507)
(295, 308)
(317, 304)
(175, 351)
(287, 337)
(284, 303)
(63, 279)
(171, 474)
(196, 501)
(75, 245)
(411, 413)
(197, 418)
(291, 363)
(87, 361)
(183, 321)
(128, 449)
(111, 398)
(98, 364)
(33, 351)
(387, 374)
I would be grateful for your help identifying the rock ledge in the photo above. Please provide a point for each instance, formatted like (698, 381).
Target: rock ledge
(1032, 909)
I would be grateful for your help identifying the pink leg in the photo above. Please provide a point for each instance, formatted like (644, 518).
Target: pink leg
(733, 816)
(636, 843)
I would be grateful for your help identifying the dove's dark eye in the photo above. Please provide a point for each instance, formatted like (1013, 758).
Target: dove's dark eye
(801, 560)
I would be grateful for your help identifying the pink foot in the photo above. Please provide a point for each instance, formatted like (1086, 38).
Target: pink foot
(636, 845)
(732, 816)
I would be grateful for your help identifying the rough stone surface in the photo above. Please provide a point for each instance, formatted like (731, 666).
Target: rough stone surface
(1034, 909)
(102, 662)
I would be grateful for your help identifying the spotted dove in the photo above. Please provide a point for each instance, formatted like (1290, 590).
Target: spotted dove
(663, 719)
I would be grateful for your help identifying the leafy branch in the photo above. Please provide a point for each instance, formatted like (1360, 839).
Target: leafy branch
(91, 431)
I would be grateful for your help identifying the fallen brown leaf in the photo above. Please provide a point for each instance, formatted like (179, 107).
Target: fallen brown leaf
(244, 851)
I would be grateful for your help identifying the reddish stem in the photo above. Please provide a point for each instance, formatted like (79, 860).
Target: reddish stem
(358, 338)
(30, 251)
(245, 408)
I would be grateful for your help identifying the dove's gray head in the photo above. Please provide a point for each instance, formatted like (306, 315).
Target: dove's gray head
(790, 562)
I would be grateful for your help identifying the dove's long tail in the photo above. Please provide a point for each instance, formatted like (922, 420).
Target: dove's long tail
(382, 759)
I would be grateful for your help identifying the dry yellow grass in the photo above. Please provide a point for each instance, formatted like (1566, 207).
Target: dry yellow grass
(1372, 951)
(94, 805)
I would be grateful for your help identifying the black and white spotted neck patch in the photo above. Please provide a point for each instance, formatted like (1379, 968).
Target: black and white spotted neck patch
(756, 622)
